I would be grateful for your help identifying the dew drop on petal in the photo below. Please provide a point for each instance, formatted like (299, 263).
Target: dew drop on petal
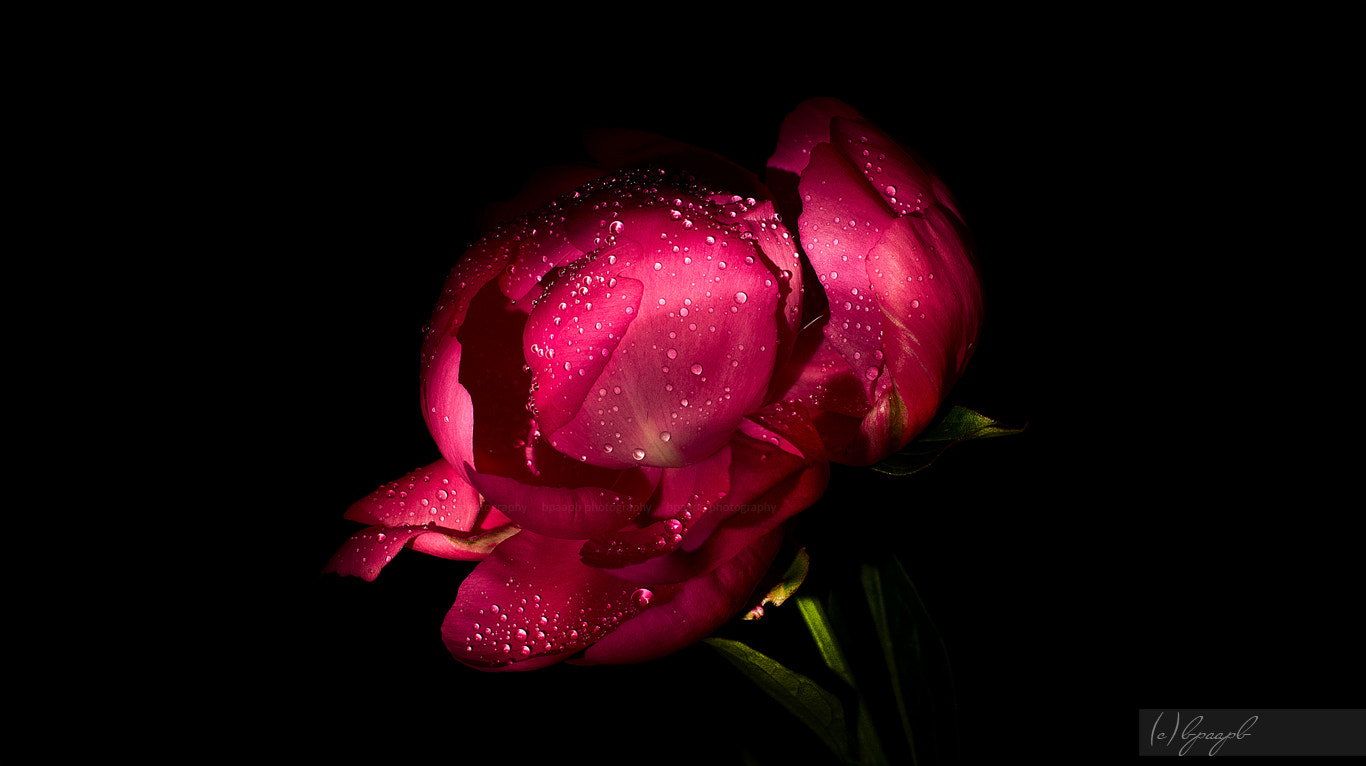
(642, 597)
(638, 453)
(665, 436)
(696, 368)
(741, 297)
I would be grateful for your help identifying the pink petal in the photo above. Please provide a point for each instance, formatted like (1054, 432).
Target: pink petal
(485, 417)
(369, 550)
(432, 510)
(779, 249)
(768, 485)
(491, 287)
(842, 219)
(925, 266)
(701, 606)
(683, 496)
(496, 384)
(698, 355)
(366, 553)
(570, 512)
(473, 547)
(888, 168)
(532, 603)
(434, 495)
(577, 324)
(806, 126)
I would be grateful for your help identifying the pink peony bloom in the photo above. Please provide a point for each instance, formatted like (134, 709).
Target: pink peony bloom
(903, 300)
(597, 377)
(628, 406)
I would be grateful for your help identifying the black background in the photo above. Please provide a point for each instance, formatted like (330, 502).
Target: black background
(1140, 545)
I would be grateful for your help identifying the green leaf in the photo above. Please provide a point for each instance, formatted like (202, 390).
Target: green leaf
(955, 425)
(914, 652)
(821, 711)
(822, 630)
(791, 580)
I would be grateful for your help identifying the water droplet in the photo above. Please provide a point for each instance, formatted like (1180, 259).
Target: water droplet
(890, 191)
(871, 373)
(696, 368)
(642, 597)
(671, 353)
(616, 227)
(638, 453)
(741, 297)
(663, 436)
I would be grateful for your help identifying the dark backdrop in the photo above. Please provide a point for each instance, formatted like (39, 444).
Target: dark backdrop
(1072, 579)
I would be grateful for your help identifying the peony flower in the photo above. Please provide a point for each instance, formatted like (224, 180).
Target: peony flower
(597, 377)
(633, 385)
(902, 302)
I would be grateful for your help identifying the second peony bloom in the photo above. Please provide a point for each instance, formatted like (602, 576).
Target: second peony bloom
(636, 385)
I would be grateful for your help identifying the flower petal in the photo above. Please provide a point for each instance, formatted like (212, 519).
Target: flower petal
(577, 324)
(532, 603)
(699, 607)
(891, 170)
(778, 247)
(842, 219)
(570, 512)
(924, 273)
(683, 496)
(434, 495)
(699, 354)
(368, 551)
(806, 126)
(432, 510)
(768, 485)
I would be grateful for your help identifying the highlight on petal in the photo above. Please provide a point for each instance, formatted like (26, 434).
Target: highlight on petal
(532, 603)
(924, 265)
(699, 353)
